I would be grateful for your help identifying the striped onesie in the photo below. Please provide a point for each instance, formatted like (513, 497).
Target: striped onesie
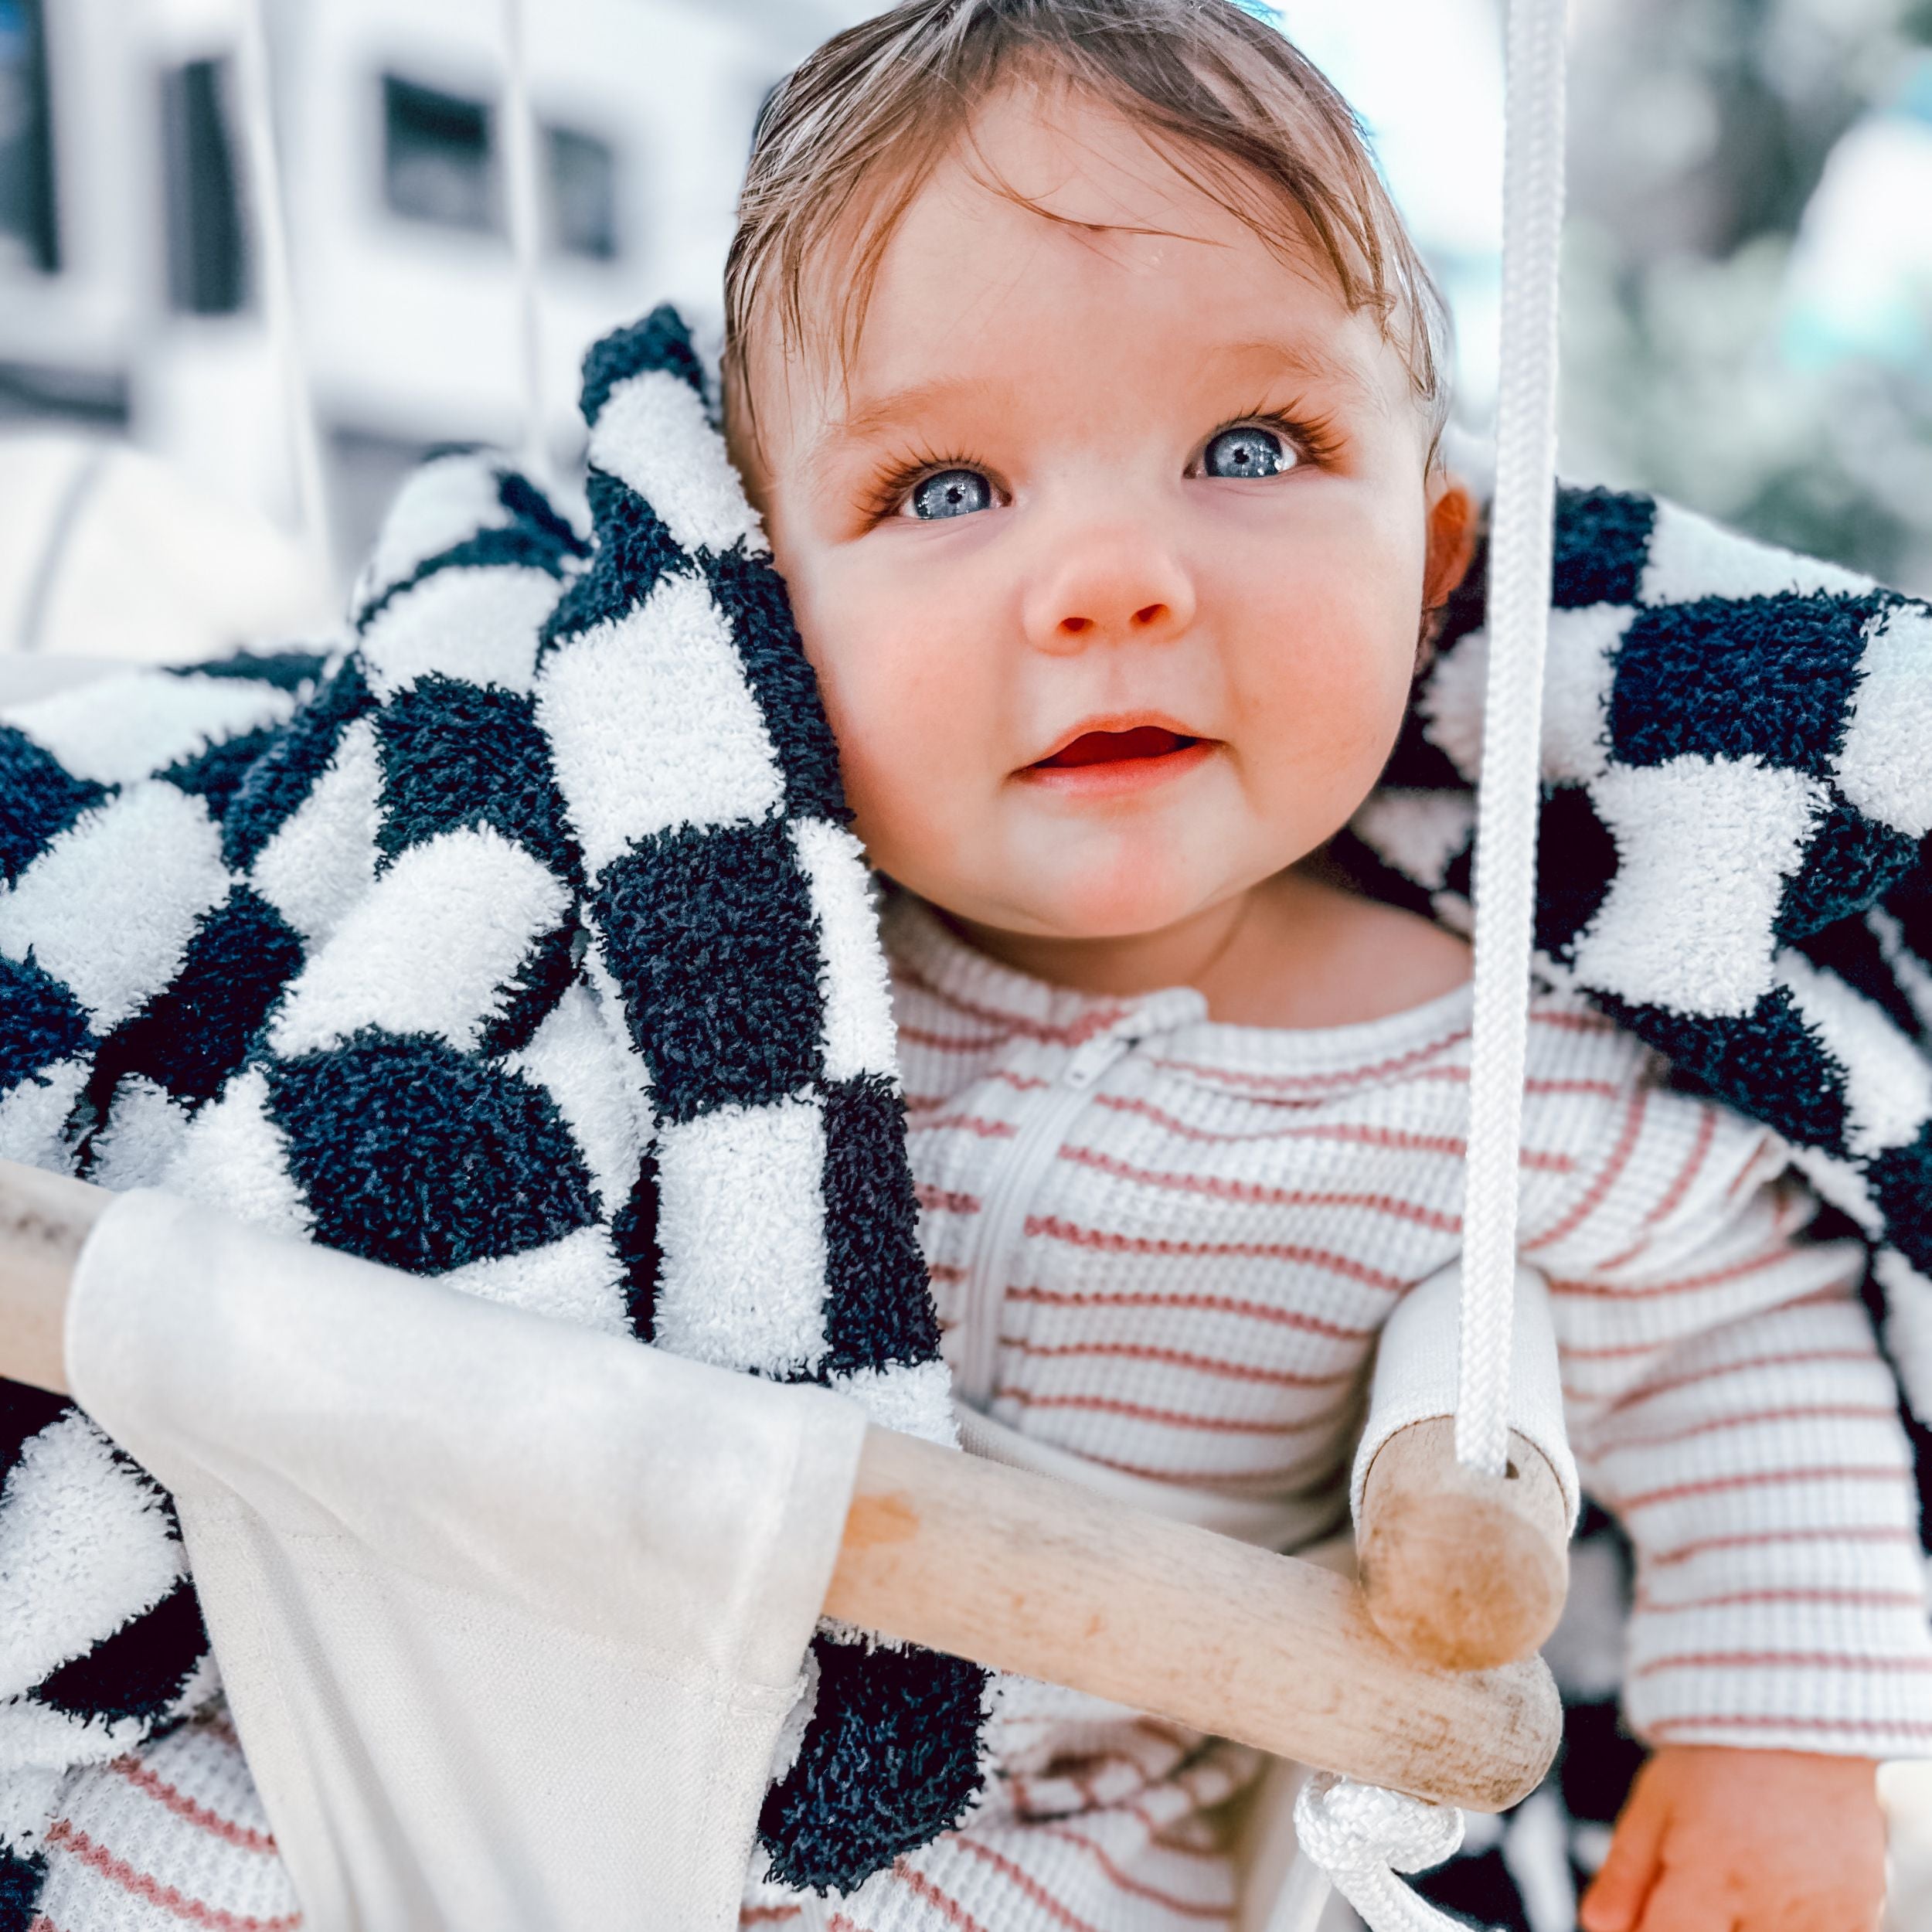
(1166, 1245)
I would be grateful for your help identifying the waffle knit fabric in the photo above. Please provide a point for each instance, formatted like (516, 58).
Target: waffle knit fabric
(565, 884)
(1182, 1277)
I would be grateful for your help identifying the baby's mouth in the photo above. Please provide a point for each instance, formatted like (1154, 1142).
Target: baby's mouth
(1099, 765)
(1116, 747)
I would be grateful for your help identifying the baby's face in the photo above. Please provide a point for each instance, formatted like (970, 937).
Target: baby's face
(1110, 549)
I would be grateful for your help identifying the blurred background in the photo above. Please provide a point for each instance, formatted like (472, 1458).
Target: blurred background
(472, 190)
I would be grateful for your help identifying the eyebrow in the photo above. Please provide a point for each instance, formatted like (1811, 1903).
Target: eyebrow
(891, 410)
(1300, 357)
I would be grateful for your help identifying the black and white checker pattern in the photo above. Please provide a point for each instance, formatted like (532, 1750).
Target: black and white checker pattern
(1737, 765)
(523, 945)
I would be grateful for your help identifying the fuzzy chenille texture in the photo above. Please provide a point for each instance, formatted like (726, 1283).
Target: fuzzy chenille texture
(1734, 862)
(522, 944)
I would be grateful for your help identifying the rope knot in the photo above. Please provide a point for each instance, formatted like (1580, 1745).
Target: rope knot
(1360, 1828)
(1360, 1836)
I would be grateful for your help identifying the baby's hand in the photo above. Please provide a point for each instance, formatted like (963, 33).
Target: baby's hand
(1714, 1840)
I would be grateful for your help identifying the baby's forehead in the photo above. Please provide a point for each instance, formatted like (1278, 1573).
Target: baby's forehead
(1143, 367)
(1115, 117)
(1044, 263)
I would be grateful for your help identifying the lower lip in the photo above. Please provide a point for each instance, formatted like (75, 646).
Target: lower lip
(1117, 777)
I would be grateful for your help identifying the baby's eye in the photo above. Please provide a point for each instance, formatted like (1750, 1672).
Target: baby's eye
(1248, 450)
(949, 493)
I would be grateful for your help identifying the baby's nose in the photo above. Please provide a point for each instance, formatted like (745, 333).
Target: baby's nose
(1114, 592)
(1147, 614)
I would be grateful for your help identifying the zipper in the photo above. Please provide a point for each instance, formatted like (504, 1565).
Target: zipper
(1003, 1221)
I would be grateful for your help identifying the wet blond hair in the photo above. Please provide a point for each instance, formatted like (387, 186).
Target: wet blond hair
(846, 142)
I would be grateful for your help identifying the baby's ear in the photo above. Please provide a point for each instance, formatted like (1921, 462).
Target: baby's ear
(741, 438)
(1454, 520)
(1452, 537)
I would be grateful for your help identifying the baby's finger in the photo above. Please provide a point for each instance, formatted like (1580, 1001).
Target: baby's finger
(1685, 1901)
(1616, 1898)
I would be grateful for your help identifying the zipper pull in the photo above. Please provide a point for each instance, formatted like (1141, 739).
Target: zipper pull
(1092, 1058)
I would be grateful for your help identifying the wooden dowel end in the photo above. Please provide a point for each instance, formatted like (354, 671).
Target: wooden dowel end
(1461, 1569)
(1025, 1573)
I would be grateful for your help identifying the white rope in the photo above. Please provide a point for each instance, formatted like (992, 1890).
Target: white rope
(522, 207)
(1519, 572)
(277, 295)
(1361, 1837)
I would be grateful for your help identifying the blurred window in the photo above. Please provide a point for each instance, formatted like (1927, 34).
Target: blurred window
(207, 260)
(583, 185)
(28, 233)
(438, 159)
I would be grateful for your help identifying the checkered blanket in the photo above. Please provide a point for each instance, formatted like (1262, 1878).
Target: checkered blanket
(523, 945)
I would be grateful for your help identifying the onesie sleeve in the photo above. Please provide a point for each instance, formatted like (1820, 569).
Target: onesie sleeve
(1728, 1404)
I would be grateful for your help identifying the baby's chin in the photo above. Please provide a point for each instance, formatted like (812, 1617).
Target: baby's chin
(1130, 899)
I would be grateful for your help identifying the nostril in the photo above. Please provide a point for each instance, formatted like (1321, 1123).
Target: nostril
(1150, 614)
(1076, 625)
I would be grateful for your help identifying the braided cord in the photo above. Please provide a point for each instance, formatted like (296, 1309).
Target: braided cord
(1507, 809)
(523, 206)
(255, 99)
(1357, 1836)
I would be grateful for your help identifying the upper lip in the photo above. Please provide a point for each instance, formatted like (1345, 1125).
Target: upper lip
(1118, 721)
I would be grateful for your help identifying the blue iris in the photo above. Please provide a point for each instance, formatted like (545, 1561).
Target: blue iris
(951, 493)
(1246, 451)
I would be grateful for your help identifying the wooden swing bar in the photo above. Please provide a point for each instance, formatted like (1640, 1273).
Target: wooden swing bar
(1027, 1572)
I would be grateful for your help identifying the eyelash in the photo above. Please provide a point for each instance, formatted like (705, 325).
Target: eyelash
(883, 497)
(1313, 437)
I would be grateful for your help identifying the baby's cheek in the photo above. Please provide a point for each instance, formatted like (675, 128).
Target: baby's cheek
(906, 736)
(906, 827)
(1316, 744)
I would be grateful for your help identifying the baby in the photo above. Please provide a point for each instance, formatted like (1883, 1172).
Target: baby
(1091, 390)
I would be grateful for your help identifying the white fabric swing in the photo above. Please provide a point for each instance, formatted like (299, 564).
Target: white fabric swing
(510, 1614)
